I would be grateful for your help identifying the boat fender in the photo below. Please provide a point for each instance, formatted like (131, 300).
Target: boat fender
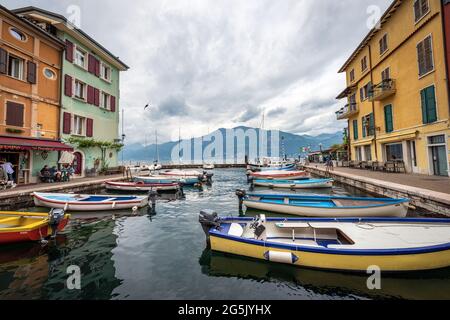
(281, 257)
(113, 205)
(66, 206)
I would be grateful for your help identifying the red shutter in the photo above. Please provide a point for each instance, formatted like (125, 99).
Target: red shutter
(67, 120)
(90, 95)
(96, 97)
(69, 51)
(113, 103)
(89, 127)
(68, 85)
(91, 64)
(31, 72)
(3, 61)
(14, 114)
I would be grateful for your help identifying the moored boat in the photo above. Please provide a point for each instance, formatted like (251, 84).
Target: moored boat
(325, 206)
(30, 226)
(280, 175)
(141, 186)
(182, 173)
(83, 202)
(349, 244)
(208, 166)
(295, 184)
(189, 181)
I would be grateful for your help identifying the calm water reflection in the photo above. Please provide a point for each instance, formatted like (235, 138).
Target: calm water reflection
(163, 256)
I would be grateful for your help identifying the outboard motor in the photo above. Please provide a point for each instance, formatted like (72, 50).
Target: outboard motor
(241, 194)
(209, 176)
(55, 217)
(249, 176)
(181, 190)
(208, 219)
(152, 194)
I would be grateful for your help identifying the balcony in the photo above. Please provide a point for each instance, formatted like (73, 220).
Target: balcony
(347, 111)
(383, 90)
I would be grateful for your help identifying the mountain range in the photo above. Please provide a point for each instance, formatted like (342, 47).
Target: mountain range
(283, 143)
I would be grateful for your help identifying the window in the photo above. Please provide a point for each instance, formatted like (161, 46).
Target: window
(355, 129)
(364, 64)
(386, 74)
(106, 101)
(18, 35)
(79, 124)
(383, 44)
(421, 8)
(80, 58)
(394, 152)
(368, 125)
(80, 89)
(388, 120)
(425, 56)
(105, 72)
(14, 114)
(16, 67)
(368, 153)
(358, 152)
(428, 99)
(365, 91)
(352, 75)
(48, 73)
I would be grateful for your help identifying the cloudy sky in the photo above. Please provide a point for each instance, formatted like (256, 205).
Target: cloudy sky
(207, 64)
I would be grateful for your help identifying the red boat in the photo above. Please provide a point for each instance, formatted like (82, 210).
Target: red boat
(31, 226)
(280, 175)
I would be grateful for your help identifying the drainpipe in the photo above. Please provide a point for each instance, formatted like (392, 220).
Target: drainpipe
(446, 54)
(373, 105)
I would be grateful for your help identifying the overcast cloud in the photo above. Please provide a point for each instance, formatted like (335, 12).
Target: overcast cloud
(207, 64)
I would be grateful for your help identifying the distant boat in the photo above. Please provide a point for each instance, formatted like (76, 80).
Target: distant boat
(326, 206)
(169, 179)
(208, 166)
(141, 186)
(82, 202)
(295, 184)
(348, 244)
(30, 226)
(280, 175)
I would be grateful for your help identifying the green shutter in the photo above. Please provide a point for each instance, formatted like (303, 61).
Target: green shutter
(431, 105)
(424, 106)
(355, 129)
(389, 123)
(362, 126)
(371, 125)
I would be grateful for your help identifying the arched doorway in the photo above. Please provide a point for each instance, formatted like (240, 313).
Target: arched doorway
(78, 163)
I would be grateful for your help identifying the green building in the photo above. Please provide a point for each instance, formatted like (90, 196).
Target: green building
(90, 93)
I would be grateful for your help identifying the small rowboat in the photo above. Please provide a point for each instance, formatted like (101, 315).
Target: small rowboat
(189, 181)
(280, 175)
(82, 202)
(287, 167)
(30, 226)
(141, 186)
(325, 206)
(391, 244)
(295, 184)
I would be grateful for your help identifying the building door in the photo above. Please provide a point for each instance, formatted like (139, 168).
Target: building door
(78, 162)
(413, 156)
(438, 154)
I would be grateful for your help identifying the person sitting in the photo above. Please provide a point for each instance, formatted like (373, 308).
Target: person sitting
(45, 174)
(55, 174)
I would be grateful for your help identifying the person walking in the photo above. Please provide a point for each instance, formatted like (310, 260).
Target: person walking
(9, 169)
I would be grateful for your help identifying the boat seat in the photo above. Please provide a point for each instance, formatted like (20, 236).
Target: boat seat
(236, 230)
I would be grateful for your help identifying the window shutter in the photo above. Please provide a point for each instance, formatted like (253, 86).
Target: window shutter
(14, 114)
(68, 85)
(96, 97)
(389, 123)
(89, 127)
(355, 129)
(67, 120)
(371, 125)
(113, 103)
(31, 72)
(428, 55)
(421, 57)
(3, 61)
(431, 105)
(90, 64)
(90, 95)
(423, 98)
(69, 51)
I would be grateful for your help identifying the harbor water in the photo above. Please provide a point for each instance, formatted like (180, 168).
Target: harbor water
(164, 256)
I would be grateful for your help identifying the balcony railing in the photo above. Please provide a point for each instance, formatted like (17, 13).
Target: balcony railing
(383, 90)
(347, 111)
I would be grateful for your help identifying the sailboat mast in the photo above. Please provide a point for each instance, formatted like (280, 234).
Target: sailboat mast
(156, 142)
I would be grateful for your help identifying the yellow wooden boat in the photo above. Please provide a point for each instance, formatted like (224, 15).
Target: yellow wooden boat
(350, 244)
(30, 226)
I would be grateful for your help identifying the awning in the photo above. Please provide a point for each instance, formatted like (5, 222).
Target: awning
(13, 143)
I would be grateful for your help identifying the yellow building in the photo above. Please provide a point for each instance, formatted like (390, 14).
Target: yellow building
(397, 89)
